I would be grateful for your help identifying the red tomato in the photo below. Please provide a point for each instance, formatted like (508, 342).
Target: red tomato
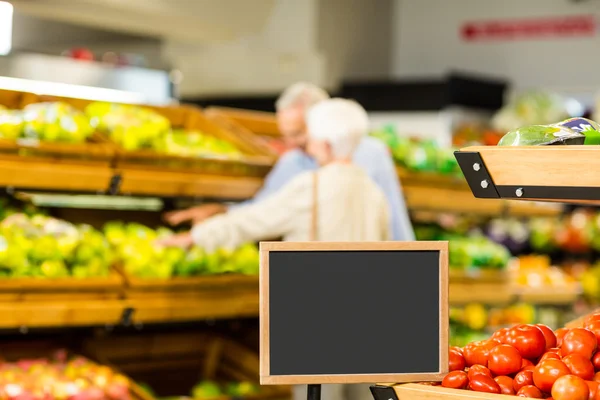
(597, 377)
(531, 392)
(570, 387)
(547, 372)
(593, 386)
(594, 326)
(504, 360)
(478, 352)
(560, 334)
(501, 335)
(579, 341)
(529, 340)
(456, 361)
(506, 384)
(478, 370)
(591, 319)
(526, 363)
(596, 360)
(579, 366)
(456, 380)
(523, 378)
(549, 335)
(549, 355)
(483, 383)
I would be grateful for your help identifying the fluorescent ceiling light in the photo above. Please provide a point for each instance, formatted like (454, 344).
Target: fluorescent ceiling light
(69, 90)
(6, 19)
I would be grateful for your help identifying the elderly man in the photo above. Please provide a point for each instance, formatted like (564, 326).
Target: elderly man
(371, 155)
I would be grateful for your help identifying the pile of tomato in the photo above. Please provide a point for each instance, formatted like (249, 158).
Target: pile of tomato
(531, 361)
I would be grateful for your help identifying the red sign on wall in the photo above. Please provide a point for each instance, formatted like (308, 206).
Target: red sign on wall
(524, 29)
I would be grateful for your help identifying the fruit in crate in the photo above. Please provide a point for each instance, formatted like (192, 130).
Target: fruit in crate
(44, 247)
(533, 272)
(209, 390)
(477, 251)
(55, 122)
(196, 144)
(58, 378)
(241, 389)
(139, 256)
(206, 390)
(131, 127)
(540, 362)
(11, 124)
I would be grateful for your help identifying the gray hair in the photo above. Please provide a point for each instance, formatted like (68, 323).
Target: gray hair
(342, 123)
(301, 94)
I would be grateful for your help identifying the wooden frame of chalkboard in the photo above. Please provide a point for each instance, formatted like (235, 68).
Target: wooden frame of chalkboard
(266, 376)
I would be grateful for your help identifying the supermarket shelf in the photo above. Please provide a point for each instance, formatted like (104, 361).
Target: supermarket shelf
(424, 192)
(179, 184)
(164, 301)
(35, 304)
(71, 177)
(64, 176)
(545, 173)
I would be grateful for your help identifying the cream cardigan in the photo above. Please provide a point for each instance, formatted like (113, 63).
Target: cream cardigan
(351, 207)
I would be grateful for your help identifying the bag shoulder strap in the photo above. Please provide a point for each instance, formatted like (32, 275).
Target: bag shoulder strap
(315, 208)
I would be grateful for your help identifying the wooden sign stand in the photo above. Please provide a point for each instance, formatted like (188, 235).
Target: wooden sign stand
(302, 283)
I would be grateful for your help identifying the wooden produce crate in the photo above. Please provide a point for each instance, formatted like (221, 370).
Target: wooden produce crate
(13, 351)
(192, 298)
(413, 391)
(97, 150)
(250, 163)
(177, 360)
(261, 127)
(62, 289)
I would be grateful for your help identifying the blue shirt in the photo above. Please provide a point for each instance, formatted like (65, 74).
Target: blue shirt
(373, 156)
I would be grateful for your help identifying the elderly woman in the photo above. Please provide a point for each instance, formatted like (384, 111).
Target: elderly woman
(337, 202)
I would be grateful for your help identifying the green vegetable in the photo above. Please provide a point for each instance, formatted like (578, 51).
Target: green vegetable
(536, 135)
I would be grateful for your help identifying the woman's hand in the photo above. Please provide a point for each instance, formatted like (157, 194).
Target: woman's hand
(194, 214)
(181, 240)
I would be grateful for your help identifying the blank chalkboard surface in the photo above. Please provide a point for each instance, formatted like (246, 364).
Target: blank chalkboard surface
(353, 312)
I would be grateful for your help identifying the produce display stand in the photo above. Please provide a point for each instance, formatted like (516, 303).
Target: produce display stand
(541, 173)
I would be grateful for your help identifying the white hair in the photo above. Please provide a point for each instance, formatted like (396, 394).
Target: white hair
(301, 94)
(342, 123)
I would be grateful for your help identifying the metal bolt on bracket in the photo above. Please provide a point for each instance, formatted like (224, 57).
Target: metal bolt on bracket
(484, 184)
(476, 167)
(519, 192)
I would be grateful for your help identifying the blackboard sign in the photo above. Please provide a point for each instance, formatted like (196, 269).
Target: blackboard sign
(353, 312)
